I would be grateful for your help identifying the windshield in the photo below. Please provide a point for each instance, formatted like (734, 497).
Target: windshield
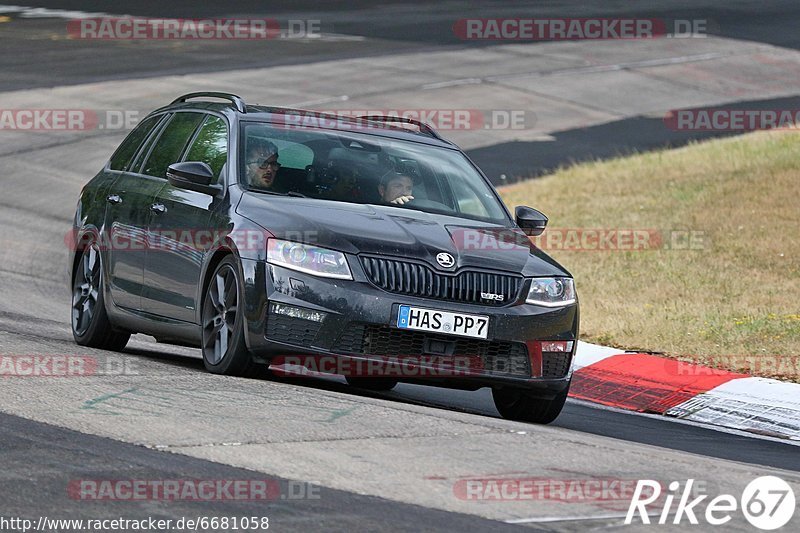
(365, 169)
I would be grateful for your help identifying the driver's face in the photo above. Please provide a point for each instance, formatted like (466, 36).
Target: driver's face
(397, 187)
(262, 174)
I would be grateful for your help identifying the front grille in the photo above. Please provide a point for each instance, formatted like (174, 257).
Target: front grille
(498, 357)
(555, 364)
(414, 279)
(282, 328)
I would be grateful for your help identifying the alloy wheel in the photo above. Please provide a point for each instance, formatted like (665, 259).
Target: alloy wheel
(85, 290)
(219, 314)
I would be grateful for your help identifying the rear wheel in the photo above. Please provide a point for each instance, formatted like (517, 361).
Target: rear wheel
(90, 323)
(374, 384)
(224, 349)
(524, 406)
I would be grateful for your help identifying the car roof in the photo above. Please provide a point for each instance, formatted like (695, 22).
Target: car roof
(377, 125)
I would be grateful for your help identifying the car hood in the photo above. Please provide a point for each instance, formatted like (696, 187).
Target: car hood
(399, 232)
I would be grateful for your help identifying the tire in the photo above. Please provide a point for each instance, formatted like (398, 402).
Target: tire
(90, 324)
(223, 346)
(523, 406)
(373, 384)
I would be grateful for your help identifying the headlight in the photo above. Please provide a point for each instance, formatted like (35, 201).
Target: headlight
(551, 292)
(308, 258)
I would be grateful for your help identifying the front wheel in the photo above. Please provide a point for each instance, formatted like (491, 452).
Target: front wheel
(522, 405)
(224, 349)
(90, 324)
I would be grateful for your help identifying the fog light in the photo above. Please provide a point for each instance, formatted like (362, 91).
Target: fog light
(297, 312)
(557, 346)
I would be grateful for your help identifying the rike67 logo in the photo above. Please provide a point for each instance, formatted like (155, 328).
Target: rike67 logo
(768, 503)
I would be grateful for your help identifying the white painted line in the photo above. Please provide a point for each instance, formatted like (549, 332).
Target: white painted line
(545, 519)
(326, 37)
(12, 9)
(43, 12)
(589, 354)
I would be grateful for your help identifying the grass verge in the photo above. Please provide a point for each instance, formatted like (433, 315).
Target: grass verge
(711, 273)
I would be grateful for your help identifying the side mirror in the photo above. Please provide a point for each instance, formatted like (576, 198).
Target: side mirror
(194, 176)
(530, 221)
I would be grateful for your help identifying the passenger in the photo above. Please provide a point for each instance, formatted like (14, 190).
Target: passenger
(262, 162)
(396, 188)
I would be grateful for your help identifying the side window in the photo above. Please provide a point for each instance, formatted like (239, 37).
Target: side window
(211, 145)
(122, 157)
(171, 143)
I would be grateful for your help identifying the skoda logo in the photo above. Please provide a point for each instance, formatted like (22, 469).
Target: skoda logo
(445, 260)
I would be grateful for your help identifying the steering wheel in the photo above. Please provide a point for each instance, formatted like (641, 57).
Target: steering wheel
(424, 202)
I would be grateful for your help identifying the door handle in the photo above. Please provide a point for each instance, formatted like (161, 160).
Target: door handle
(158, 209)
(114, 199)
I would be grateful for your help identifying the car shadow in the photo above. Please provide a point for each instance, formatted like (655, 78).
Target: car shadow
(330, 383)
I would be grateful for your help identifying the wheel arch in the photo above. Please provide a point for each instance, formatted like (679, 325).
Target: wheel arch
(77, 241)
(220, 251)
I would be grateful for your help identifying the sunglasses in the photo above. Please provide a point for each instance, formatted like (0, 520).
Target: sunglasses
(263, 162)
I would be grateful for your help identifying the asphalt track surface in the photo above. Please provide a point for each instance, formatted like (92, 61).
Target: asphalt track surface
(388, 26)
(39, 54)
(393, 464)
(99, 458)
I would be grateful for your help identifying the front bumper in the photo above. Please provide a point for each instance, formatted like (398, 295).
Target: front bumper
(354, 320)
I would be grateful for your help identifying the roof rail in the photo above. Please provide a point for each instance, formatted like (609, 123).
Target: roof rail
(423, 127)
(237, 101)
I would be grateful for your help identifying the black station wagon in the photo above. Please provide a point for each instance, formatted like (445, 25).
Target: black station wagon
(365, 246)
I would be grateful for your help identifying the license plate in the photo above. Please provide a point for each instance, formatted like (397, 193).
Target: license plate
(421, 319)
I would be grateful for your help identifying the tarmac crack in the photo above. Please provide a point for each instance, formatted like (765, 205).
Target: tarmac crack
(176, 447)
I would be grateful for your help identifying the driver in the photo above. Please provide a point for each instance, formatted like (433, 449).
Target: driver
(262, 162)
(396, 188)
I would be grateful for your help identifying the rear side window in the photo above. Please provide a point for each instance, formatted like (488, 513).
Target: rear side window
(211, 145)
(122, 157)
(171, 143)
(136, 166)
